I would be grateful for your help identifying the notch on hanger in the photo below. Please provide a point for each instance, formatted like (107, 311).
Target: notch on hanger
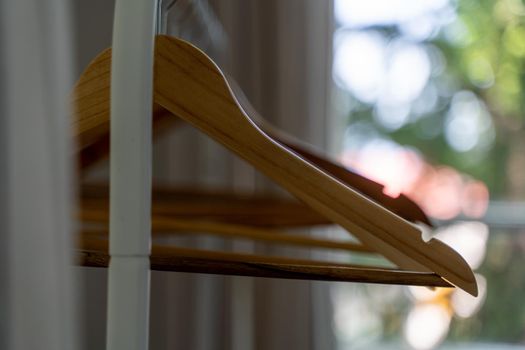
(189, 85)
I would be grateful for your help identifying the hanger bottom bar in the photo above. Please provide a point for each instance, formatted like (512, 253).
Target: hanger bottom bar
(94, 254)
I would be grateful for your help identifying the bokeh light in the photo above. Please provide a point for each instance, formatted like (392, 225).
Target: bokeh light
(426, 326)
(373, 12)
(464, 304)
(442, 192)
(468, 238)
(358, 63)
(435, 110)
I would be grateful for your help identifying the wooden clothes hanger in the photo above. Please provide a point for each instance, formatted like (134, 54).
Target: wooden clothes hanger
(218, 206)
(401, 205)
(189, 85)
(94, 247)
(167, 225)
(91, 127)
(166, 258)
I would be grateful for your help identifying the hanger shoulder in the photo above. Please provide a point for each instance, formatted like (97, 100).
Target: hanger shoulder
(90, 106)
(401, 205)
(191, 86)
(91, 131)
(90, 100)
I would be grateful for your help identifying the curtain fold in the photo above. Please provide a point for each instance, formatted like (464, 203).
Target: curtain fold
(38, 288)
(281, 57)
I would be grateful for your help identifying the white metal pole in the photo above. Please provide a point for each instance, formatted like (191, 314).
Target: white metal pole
(130, 175)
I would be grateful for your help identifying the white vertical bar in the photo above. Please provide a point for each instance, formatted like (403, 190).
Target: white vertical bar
(130, 174)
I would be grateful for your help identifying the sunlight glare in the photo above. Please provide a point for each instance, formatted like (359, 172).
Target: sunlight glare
(468, 123)
(375, 12)
(359, 63)
(426, 326)
(464, 304)
(352, 304)
(408, 73)
(424, 294)
(468, 238)
(388, 163)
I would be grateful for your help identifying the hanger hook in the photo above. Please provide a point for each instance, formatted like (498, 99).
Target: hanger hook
(163, 8)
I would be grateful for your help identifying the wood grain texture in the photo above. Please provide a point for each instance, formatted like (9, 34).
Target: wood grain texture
(94, 253)
(91, 129)
(191, 86)
(217, 205)
(90, 101)
(401, 205)
(162, 226)
(96, 146)
(90, 106)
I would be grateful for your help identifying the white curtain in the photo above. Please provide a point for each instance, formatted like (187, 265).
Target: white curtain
(37, 288)
(280, 53)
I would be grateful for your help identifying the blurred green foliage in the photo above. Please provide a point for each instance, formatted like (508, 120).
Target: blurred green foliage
(487, 58)
(490, 61)
(483, 49)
